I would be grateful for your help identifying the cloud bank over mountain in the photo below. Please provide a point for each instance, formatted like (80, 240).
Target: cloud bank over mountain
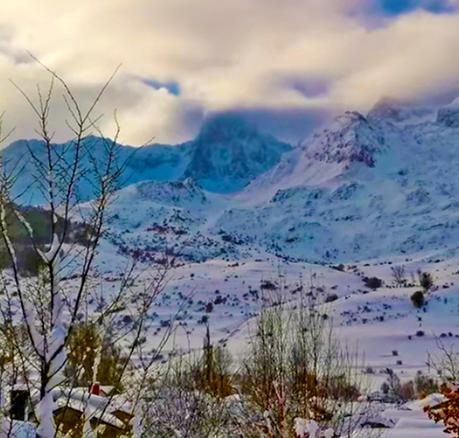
(272, 60)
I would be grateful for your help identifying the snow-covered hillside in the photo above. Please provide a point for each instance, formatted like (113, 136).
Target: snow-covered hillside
(377, 190)
(362, 187)
(170, 218)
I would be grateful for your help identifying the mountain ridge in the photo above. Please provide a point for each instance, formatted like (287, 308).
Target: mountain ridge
(361, 187)
(240, 154)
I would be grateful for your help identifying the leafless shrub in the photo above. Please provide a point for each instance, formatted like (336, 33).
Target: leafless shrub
(296, 368)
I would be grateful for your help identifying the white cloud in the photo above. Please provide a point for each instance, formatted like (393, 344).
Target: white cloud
(224, 54)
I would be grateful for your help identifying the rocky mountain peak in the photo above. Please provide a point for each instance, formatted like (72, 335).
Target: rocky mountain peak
(351, 137)
(224, 127)
(229, 152)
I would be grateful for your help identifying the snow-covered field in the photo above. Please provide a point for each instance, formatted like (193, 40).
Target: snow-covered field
(226, 294)
(382, 323)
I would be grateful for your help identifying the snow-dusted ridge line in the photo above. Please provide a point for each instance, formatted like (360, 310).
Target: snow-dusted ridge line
(362, 187)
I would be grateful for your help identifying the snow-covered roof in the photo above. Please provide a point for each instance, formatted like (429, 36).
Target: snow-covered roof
(92, 410)
(96, 406)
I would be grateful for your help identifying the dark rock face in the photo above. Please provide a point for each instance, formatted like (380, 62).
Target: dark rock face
(388, 109)
(449, 116)
(229, 152)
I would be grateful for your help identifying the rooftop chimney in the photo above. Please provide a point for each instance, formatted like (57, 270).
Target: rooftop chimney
(95, 388)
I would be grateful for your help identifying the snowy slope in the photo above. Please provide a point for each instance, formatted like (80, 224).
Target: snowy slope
(361, 188)
(172, 218)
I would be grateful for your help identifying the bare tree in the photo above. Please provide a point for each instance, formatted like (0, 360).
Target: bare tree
(445, 361)
(63, 292)
(398, 273)
(183, 402)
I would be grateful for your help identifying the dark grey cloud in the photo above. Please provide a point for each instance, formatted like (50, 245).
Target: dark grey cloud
(291, 125)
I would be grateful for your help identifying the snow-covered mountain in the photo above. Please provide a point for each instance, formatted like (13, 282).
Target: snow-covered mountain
(155, 162)
(369, 191)
(362, 187)
(370, 187)
(350, 138)
(226, 155)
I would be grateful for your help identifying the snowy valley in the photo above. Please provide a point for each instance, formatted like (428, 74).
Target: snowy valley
(242, 214)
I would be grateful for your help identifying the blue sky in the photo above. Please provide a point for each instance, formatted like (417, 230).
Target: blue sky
(172, 87)
(397, 7)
